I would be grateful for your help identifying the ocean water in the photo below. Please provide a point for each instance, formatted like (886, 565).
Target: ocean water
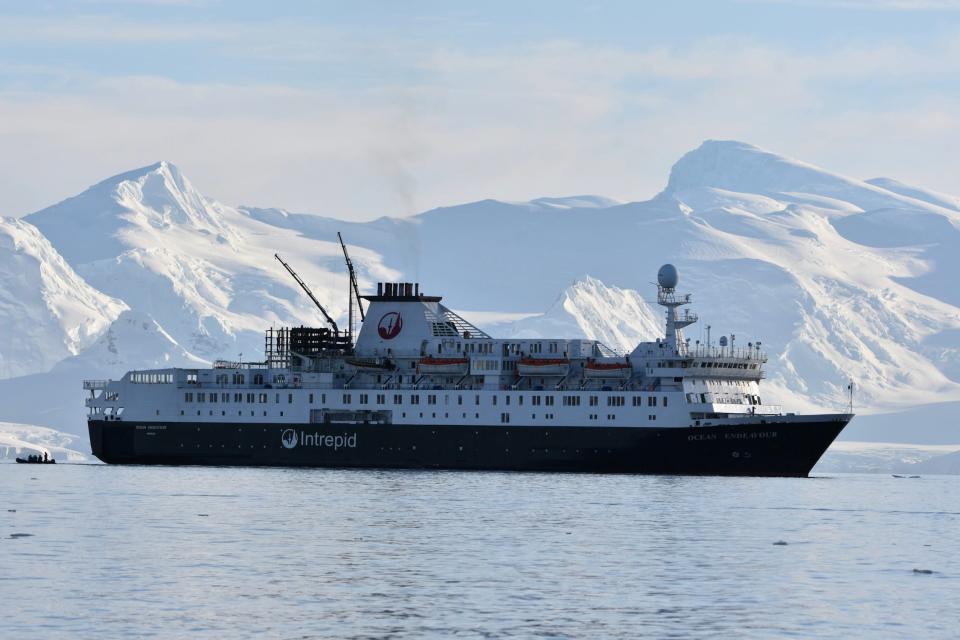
(119, 552)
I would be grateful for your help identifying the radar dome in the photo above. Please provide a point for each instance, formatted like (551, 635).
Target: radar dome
(668, 276)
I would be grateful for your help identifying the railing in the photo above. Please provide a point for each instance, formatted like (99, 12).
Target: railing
(732, 353)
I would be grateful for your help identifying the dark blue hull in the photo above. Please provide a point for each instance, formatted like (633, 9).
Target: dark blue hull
(777, 446)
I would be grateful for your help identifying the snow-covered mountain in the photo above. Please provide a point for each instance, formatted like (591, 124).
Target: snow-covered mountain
(48, 311)
(203, 271)
(838, 277)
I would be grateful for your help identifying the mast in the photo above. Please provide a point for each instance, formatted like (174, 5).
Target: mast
(667, 279)
(303, 285)
(353, 291)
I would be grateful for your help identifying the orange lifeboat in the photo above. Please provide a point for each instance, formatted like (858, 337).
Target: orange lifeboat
(443, 366)
(618, 369)
(546, 367)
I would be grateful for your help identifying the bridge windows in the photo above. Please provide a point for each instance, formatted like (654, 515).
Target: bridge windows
(571, 401)
(155, 378)
(615, 401)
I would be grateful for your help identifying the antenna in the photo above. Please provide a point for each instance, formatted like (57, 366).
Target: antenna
(303, 285)
(354, 290)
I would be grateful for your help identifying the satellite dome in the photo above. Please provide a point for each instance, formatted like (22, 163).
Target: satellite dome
(668, 276)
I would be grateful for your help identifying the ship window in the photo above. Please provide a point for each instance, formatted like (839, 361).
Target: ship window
(665, 400)
(188, 397)
(415, 398)
(279, 379)
(258, 378)
(323, 398)
(381, 398)
(594, 401)
(281, 414)
(508, 398)
(520, 401)
(476, 399)
(311, 398)
(535, 400)
(548, 401)
(431, 399)
(493, 400)
(652, 401)
(397, 398)
(505, 418)
(263, 398)
(364, 398)
(614, 401)
(459, 399)
(346, 398)
(201, 397)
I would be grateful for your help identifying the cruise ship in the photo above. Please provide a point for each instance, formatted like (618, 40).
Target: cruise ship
(420, 387)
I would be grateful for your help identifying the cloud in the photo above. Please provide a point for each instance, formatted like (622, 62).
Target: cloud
(548, 118)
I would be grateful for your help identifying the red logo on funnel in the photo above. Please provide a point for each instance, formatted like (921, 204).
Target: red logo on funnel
(390, 325)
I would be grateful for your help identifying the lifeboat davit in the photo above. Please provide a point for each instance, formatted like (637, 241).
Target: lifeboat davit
(443, 366)
(543, 367)
(618, 369)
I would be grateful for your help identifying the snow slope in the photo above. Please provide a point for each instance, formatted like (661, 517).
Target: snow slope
(619, 318)
(48, 311)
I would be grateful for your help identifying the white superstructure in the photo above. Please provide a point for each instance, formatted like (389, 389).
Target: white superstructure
(417, 362)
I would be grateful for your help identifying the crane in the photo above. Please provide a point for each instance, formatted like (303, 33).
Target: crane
(354, 290)
(303, 285)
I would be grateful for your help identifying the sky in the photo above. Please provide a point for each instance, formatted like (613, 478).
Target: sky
(361, 109)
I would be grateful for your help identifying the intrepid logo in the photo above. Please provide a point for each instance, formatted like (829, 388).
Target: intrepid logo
(390, 325)
(291, 438)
